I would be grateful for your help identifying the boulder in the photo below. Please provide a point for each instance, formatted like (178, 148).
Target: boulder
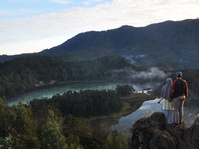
(153, 133)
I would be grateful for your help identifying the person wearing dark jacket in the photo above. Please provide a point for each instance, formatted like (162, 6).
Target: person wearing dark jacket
(179, 95)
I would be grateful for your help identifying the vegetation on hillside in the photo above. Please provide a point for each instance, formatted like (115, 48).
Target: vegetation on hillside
(22, 74)
(83, 103)
(58, 123)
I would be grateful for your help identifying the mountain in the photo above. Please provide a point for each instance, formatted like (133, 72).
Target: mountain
(168, 44)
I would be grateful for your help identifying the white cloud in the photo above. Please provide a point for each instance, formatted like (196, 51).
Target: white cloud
(6, 13)
(65, 2)
(92, 2)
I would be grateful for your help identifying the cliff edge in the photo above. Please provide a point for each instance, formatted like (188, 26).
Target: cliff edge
(153, 133)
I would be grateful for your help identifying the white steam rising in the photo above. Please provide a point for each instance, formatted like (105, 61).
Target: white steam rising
(153, 73)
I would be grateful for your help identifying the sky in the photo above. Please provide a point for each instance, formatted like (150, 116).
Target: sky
(28, 26)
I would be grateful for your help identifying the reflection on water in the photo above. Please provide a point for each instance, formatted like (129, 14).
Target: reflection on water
(50, 91)
(147, 108)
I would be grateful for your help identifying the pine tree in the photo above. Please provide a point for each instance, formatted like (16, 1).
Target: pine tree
(51, 136)
(24, 130)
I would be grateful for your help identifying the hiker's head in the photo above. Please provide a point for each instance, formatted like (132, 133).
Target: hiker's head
(179, 74)
(168, 80)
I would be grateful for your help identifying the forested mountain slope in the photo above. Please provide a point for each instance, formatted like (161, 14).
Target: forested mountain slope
(173, 43)
(19, 75)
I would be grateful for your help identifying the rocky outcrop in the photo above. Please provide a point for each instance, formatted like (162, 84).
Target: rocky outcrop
(153, 133)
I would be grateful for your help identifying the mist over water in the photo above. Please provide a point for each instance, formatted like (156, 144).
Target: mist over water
(151, 75)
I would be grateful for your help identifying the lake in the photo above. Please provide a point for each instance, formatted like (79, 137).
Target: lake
(50, 91)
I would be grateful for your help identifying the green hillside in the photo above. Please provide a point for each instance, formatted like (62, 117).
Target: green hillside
(22, 74)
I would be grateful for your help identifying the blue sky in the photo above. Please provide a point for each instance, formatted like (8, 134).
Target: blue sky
(28, 26)
(27, 8)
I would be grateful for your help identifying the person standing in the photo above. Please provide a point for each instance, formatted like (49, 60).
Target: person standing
(167, 106)
(179, 94)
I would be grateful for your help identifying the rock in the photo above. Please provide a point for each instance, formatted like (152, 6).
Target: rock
(153, 133)
(191, 135)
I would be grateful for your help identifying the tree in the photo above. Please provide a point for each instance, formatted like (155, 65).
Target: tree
(116, 140)
(124, 90)
(51, 136)
(77, 131)
(7, 117)
(73, 142)
(7, 142)
(24, 129)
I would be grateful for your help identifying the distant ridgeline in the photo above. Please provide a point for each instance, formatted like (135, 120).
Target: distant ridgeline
(168, 44)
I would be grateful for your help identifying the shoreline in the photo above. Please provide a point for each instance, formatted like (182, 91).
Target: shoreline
(59, 84)
(131, 104)
(68, 82)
